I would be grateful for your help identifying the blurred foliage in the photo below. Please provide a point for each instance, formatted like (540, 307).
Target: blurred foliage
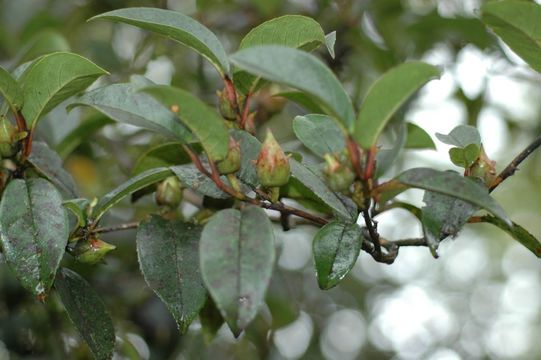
(469, 306)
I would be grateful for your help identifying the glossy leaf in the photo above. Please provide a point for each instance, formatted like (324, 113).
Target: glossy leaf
(319, 133)
(452, 184)
(387, 95)
(301, 71)
(167, 154)
(336, 247)
(138, 182)
(518, 233)
(313, 182)
(126, 104)
(418, 138)
(207, 126)
(517, 23)
(175, 26)
(461, 136)
(87, 312)
(81, 134)
(33, 231)
(49, 164)
(52, 79)
(237, 268)
(168, 253)
(10, 90)
(192, 178)
(249, 150)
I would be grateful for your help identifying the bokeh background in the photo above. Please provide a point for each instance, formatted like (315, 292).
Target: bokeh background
(481, 299)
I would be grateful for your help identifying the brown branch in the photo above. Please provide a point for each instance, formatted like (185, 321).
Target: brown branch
(405, 242)
(284, 209)
(108, 229)
(513, 165)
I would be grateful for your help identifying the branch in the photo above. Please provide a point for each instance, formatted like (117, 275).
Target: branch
(513, 165)
(108, 229)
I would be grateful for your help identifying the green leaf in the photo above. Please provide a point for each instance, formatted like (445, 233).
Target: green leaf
(319, 133)
(461, 136)
(44, 42)
(464, 157)
(313, 182)
(33, 231)
(49, 164)
(168, 154)
(237, 268)
(192, 178)
(10, 90)
(52, 79)
(124, 103)
(336, 248)
(386, 157)
(249, 151)
(87, 312)
(418, 138)
(387, 95)
(79, 208)
(138, 182)
(518, 233)
(330, 40)
(175, 26)
(301, 71)
(81, 134)
(168, 253)
(452, 184)
(517, 23)
(207, 126)
(302, 100)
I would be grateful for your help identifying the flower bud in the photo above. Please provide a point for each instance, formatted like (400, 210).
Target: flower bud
(8, 133)
(91, 251)
(483, 168)
(169, 192)
(231, 163)
(339, 176)
(272, 164)
(224, 105)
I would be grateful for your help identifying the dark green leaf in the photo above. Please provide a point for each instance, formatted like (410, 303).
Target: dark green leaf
(461, 136)
(207, 126)
(33, 231)
(87, 312)
(211, 320)
(10, 90)
(168, 253)
(319, 133)
(517, 23)
(452, 184)
(192, 178)
(81, 134)
(52, 79)
(237, 268)
(301, 71)
(167, 154)
(176, 26)
(249, 150)
(418, 138)
(336, 248)
(49, 164)
(303, 100)
(387, 95)
(464, 157)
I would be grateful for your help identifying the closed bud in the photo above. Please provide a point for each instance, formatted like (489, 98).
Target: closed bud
(92, 251)
(339, 176)
(169, 192)
(231, 163)
(483, 168)
(8, 134)
(272, 164)
(224, 105)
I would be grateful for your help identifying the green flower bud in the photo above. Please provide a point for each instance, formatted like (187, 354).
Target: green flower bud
(339, 176)
(272, 164)
(8, 135)
(231, 163)
(224, 105)
(169, 192)
(483, 168)
(91, 251)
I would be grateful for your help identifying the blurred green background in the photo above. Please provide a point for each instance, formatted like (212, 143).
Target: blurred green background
(481, 299)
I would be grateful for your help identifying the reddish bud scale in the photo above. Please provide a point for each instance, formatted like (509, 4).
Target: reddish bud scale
(272, 164)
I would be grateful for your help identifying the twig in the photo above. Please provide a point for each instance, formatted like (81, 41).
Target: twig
(405, 242)
(513, 165)
(108, 229)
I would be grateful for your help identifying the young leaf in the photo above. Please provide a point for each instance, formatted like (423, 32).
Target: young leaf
(168, 253)
(319, 133)
(79, 208)
(386, 96)
(301, 71)
(126, 104)
(313, 182)
(464, 157)
(518, 233)
(87, 312)
(330, 40)
(81, 134)
(192, 178)
(237, 268)
(336, 247)
(207, 126)
(461, 136)
(249, 150)
(452, 184)
(10, 90)
(175, 26)
(138, 182)
(418, 138)
(49, 164)
(167, 154)
(33, 232)
(517, 23)
(52, 79)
